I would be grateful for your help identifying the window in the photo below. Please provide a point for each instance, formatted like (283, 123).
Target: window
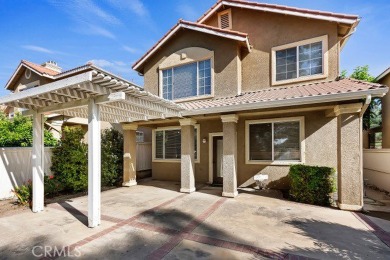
(167, 144)
(140, 137)
(189, 80)
(279, 140)
(225, 19)
(300, 61)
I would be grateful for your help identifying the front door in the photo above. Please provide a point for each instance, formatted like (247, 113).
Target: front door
(217, 159)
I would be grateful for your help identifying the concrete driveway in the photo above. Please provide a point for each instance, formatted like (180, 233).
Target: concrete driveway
(154, 221)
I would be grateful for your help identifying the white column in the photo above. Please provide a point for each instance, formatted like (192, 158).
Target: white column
(37, 164)
(187, 155)
(229, 155)
(129, 155)
(94, 164)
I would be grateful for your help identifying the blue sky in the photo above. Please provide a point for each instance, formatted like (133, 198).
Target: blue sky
(115, 33)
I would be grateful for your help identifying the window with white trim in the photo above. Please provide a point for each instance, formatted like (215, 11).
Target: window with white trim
(167, 143)
(301, 60)
(186, 81)
(278, 140)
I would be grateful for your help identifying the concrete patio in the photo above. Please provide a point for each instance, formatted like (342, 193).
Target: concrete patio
(153, 220)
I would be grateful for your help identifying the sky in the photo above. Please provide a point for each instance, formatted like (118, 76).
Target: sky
(113, 34)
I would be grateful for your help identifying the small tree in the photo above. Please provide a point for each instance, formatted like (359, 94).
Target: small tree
(373, 115)
(17, 132)
(70, 160)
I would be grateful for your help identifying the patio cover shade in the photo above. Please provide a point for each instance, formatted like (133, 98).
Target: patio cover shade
(119, 101)
(98, 96)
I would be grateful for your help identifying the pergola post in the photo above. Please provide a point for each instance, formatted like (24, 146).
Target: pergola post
(37, 163)
(94, 164)
(129, 155)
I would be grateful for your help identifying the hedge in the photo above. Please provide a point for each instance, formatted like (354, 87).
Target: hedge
(312, 184)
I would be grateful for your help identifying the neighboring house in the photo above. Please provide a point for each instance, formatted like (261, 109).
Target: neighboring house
(260, 85)
(376, 166)
(384, 78)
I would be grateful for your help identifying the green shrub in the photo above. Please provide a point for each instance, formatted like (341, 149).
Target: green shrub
(70, 161)
(312, 184)
(24, 193)
(17, 132)
(53, 186)
(112, 157)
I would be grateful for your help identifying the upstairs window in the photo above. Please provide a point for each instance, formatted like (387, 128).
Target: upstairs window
(225, 19)
(300, 61)
(186, 81)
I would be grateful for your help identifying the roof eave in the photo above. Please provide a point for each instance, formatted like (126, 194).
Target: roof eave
(289, 102)
(275, 10)
(227, 35)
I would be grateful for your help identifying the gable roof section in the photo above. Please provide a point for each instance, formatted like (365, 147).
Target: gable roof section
(383, 74)
(281, 9)
(234, 35)
(38, 69)
(331, 91)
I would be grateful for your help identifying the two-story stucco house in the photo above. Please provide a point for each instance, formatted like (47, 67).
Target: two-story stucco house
(261, 90)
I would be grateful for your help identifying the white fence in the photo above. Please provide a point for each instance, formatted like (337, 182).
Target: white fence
(15, 168)
(376, 168)
(15, 165)
(144, 156)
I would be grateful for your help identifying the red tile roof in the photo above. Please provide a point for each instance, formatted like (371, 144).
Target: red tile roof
(282, 8)
(179, 24)
(40, 68)
(287, 93)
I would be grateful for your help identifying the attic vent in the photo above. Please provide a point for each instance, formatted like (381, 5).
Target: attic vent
(225, 19)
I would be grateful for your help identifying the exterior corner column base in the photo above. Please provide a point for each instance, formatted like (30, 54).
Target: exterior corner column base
(230, 194)
(185, 190)
(349, 207)
(129, 183)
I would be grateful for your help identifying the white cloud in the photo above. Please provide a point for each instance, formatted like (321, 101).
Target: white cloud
(187, 12)
(118, 67)
(130, 49)
(85, 10)
(38, 49)
(135, 6)
(97, 30)
(88, 16)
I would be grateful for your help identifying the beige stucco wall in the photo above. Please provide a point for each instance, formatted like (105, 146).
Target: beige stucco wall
(320, 147)
(376, 168)
(225, 60)
(386, 114)
(268, 30)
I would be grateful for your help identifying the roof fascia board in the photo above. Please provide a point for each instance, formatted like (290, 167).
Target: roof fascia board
(47, 88)
(383, 74)
(209, 31)
(286, 103)
(275, 10)
(157, 47)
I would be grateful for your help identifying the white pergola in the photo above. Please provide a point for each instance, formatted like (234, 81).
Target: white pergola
(98, 96)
